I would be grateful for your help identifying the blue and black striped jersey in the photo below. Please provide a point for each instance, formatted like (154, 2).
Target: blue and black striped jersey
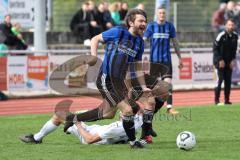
(122, 49)
(160, 35)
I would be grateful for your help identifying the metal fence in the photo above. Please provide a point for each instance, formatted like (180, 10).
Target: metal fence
(192, 15)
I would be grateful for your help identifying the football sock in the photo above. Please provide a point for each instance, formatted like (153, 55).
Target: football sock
(91, 115)
(170, 100)
(48, 127)
(128, 125)
(147, 122)
(158, 104)
(132, 142)
(134, 105)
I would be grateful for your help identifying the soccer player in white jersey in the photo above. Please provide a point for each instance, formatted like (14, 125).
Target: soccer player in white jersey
(112, 133)
(107, 134)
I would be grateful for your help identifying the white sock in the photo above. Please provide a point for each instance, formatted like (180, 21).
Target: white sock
(45, 130)
(132, 142)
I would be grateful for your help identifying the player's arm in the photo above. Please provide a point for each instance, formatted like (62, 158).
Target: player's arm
(218, 55)
(177, 51)
(138, 67)
(94, 44)
(140, 76)
(89, 138)
(94, 47)
(128, 85)
(234, 52)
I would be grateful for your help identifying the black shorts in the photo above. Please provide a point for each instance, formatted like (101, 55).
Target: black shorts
(162, 70)
(112, 89)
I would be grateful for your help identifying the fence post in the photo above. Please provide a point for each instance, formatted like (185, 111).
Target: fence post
(40, 25)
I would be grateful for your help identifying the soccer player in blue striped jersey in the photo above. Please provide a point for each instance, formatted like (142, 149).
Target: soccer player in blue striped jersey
(160, 33)
(124, 46)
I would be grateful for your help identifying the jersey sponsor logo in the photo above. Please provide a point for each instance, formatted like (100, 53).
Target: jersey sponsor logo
(125, 47)
(201, 67)
(127, 51)
(161, 35)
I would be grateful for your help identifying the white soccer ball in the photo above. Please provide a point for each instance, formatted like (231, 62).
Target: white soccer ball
(186, 140)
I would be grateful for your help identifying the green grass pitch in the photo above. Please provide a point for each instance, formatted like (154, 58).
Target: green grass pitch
(217, 132)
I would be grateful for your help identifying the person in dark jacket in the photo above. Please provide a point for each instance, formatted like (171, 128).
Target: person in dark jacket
(123, 11)
(8, 37)
(103, 23)
(82, 21)
(224, 49)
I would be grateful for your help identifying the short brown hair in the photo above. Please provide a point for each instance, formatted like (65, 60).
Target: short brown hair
(162, 90)
(131, 15)
(230, 19)
(161, 7)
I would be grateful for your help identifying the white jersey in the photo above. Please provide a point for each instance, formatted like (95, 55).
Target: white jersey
(110, 134)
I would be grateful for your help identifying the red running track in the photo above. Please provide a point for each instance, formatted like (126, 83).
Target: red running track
(47, 105)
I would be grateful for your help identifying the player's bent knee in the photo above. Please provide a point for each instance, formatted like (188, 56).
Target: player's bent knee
(109, 113)
(108, 116)
(56, 120)
(127, 111)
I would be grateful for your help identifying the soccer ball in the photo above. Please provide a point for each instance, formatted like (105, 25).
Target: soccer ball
(186, 140)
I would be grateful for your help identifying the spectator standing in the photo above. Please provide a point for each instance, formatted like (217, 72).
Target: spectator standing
(237, 17)
(230, 11)
(7, 36)
(107, 16)
(224, 49)
(81, 21)
(16, 30)
(6, 33)
(102, 22)
(114, 9)
(218, 19)
(123, 11)
(141, 6)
